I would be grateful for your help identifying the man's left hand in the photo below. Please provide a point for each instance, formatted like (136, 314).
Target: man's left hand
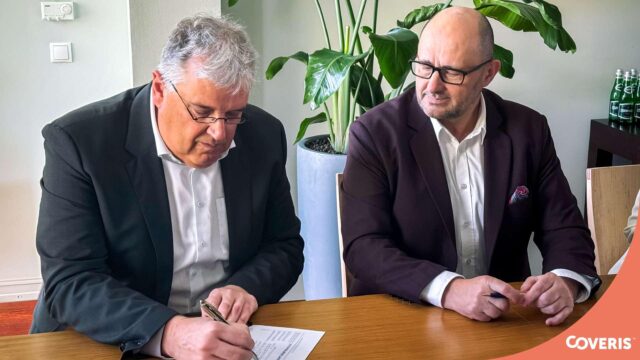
(553, 295)
(234, 303)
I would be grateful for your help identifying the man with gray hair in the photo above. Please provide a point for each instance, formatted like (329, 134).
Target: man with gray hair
(164, 195)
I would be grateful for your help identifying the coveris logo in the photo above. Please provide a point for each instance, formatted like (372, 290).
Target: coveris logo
(600, 343)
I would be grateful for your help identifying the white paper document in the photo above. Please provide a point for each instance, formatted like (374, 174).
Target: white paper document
(279, 343)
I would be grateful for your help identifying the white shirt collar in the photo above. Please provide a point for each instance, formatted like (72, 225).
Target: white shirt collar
(479, 129)
(161, 147)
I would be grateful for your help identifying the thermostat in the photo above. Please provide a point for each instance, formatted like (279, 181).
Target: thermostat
(57, 10)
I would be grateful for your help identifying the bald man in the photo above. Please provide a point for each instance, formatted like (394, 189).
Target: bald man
(445, 184)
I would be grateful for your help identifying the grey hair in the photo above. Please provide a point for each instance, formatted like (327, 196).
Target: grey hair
(222, 46)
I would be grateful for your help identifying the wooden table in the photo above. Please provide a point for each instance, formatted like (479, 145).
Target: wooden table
(54, 346)
(371, 327)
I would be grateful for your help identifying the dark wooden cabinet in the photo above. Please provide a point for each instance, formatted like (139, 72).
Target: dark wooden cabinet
(607, 139)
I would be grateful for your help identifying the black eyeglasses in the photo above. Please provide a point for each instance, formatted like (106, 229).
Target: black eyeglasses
(234, 118)
(447, 74)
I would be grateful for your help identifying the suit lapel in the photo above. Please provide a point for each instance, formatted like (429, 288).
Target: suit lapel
(236, 179)
(147, 176)
(497, 172)
(426, 151)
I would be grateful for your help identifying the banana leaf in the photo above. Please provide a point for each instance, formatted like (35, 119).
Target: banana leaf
(506, 59)
(393, 51)
(325, 72)
(370, 93)
(543, 18)
(316, 119)
(421, 14)
(276, 64)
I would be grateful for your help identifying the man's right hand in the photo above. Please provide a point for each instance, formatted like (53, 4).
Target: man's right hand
(203, 338)
(470, 297)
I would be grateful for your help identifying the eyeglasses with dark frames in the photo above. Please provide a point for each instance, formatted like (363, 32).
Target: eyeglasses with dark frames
(447, 74)
(234, 119)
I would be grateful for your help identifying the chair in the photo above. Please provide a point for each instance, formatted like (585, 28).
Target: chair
(344, 272)
(611, 192)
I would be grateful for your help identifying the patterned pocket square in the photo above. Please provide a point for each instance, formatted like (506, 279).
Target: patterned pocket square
(521, 193)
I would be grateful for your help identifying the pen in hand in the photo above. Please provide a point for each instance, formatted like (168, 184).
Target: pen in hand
(495, 295)
(211, 310)
(214, 314)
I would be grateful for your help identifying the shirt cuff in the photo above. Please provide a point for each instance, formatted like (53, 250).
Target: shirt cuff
(586, 281)
(433, 292)
(154, 346)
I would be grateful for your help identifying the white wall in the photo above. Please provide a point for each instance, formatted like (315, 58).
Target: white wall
(33, 93)
(570, 89)
(275, 29)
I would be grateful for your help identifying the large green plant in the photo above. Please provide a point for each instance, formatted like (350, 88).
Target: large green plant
(341, 77)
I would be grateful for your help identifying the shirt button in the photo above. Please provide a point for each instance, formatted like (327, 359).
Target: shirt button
(467, 224)
(468, 261)
(200, 204)
(463, 187)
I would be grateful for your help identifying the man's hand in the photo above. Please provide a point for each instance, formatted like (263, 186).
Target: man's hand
(552, 294)
(234, 303)
(203, 338)
(470, 297)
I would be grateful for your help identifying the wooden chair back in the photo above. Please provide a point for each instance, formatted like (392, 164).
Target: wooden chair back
(611, 192)
(345, 274)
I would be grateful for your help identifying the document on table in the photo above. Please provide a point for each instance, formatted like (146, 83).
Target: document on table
(272, 342)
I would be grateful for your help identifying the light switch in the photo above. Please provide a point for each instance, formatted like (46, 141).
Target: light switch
(60, 52)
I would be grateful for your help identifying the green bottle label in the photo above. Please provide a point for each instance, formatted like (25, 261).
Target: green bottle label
(613, 108)
(619, 87)
(625, 112)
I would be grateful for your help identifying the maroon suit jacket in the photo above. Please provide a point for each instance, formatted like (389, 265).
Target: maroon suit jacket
(397, 221)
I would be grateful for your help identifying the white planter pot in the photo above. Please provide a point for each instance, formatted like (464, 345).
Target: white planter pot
(318, 214)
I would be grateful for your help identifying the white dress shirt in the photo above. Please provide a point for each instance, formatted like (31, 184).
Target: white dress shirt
(199, 229)
(464, 168)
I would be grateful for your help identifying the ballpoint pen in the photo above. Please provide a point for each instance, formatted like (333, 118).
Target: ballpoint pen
(211, 310)
(496, 295)
(214, 314)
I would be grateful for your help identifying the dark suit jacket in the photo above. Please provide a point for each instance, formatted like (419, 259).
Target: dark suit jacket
(104, 230)
(397, 220)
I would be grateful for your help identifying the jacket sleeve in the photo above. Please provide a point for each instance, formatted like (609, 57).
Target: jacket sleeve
(79, 290)
(372, 247)
(560, 232)
(278, 263)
